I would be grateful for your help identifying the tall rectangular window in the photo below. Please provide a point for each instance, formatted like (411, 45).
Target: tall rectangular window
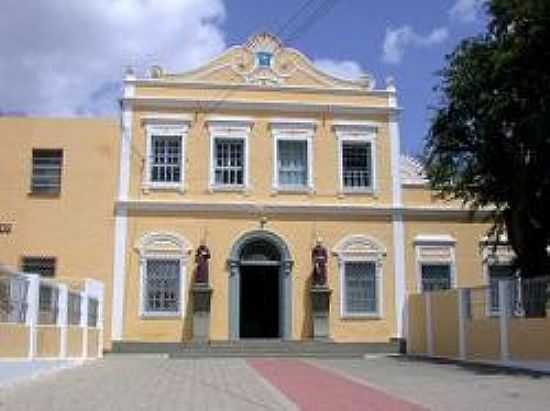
(47, 166)
(166, 159)
(162, 286)
(44, 266)
(292, 163)
(356, 165)
(497, 273)
(436, 277)
(229, 162)
(360, 294)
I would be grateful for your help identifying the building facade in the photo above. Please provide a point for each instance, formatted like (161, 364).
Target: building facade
(258, 156)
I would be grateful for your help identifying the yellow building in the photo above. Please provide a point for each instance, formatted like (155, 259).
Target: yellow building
(258, 155)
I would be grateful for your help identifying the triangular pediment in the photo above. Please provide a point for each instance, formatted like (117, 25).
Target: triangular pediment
(264, 61)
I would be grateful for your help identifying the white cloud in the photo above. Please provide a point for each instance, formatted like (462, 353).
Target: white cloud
(398, 40)
(66, 57)
(346, 69)
(466, 11)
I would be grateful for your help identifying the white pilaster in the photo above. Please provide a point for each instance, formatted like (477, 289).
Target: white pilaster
(121, 223)
(62, 318)
(31, 318)
(398, 224)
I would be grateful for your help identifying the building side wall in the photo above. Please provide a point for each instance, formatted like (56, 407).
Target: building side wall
(77, 226)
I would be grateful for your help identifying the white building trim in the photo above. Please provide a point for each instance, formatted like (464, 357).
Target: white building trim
(227, 129)
(361, 248)
(435, 250)
(356, 133)
(121, 219)
(289, 130)
(162, 246)
(169, 128)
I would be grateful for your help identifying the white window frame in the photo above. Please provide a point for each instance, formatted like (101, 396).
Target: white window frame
(156, 128)
(365, 249)
(229, 129)
(293, 131)
(356, 133)
(444, 245)
(162, 246)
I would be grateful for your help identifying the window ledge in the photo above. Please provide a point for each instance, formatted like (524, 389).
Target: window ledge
(361, 317)
(39, 194)
(161, 316)
(293, 190)
(163, 187)
(358, 191)
(228, 188)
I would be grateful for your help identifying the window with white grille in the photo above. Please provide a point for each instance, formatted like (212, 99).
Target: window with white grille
(162, 286)
(229, 162)
(47, 165)
(436, 277)
(44, 266)
(165, 164)
(356, 165)
(292, 163)
(360, 288)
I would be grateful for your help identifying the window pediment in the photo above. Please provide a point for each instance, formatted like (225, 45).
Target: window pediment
(361, 246)
(166, 244)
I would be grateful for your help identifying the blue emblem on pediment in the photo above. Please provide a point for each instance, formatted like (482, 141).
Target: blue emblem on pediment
(264, 59)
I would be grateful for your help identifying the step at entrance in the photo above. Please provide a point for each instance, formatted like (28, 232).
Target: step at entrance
(257, 348)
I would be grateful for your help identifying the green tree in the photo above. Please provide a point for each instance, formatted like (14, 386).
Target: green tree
(489, 141)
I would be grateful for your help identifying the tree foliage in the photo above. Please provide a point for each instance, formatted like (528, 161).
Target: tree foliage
(489, 141)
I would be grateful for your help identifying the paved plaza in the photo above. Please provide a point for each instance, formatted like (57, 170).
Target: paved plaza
(376, 383)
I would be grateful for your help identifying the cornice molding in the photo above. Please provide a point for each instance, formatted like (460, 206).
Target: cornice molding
(250, 208)
(271, 106)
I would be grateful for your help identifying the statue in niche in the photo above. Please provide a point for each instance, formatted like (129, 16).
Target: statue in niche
(201, 259)
(319, 258)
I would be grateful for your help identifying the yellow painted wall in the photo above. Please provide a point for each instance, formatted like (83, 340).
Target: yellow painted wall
(468, 256)
(74, 342)
(299, 233)
(444, 306)
(14, 340)
(483, 339)
(48, 341)
(416, 338)
(76, 227)
(529, 338)
(325, 165)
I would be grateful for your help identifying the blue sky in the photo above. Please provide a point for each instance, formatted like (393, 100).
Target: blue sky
(71, 62)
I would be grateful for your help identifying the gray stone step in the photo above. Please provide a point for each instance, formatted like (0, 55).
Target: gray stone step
(256, 348)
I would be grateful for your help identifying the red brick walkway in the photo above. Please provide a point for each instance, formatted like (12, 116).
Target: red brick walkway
(313, 388)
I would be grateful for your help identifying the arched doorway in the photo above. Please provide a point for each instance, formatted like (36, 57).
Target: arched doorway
(260, 287)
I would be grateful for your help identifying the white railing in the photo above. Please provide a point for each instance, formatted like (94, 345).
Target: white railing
(36, 303)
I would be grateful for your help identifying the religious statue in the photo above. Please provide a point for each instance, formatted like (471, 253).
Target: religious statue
(319, 258)
(201, 259)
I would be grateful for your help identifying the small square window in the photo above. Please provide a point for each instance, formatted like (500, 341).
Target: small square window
(46, 171)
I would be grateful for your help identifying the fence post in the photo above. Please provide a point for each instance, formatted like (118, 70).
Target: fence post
(462, 315)
(99, 325)
(504, 296)
(62, 318)
(84, 320)
(429, 325)
(31, 316)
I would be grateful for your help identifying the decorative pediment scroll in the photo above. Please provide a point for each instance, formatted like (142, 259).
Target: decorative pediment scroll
(163, 244)
(360, 246)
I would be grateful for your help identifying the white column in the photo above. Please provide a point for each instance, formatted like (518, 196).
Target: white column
(462, 316)
(84, 321)
(121, 218)
(398, 224)
(429, 325)
(33, 300)
(62, 318)
(504, 296)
